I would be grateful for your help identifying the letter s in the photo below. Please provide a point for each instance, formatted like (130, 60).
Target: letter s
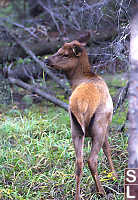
(130, 173)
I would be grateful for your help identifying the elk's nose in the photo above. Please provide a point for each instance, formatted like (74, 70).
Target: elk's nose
(47, 61)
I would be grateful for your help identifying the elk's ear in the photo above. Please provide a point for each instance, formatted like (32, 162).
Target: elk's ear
(77, 50)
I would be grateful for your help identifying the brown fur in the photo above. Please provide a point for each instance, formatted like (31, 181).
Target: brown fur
(90, 108)
(82, 106)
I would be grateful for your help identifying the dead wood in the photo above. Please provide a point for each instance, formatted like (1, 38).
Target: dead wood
(121, 97)
(25, 72)
(34, 89)
(39, 47)
(40, 63)
(37, 39)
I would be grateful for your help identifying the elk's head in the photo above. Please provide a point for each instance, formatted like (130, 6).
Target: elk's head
(67, 57)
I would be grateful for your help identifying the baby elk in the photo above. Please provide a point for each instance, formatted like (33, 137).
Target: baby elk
(90, 108)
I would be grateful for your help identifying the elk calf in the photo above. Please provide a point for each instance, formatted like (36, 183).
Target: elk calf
(90, 108)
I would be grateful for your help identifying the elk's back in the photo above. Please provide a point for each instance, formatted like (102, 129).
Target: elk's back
(87, 99)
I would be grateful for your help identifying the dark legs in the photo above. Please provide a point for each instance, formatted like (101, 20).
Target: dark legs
(99, 140)
(92, 162)
(98, 133)
(78, 144)
(107, 152)
(78, 141)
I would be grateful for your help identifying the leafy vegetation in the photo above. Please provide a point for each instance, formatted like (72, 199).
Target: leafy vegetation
(37, 159)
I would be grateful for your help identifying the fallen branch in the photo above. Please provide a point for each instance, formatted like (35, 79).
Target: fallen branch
(122, 96)
(40, 63)
(19, 26)
(36, 90)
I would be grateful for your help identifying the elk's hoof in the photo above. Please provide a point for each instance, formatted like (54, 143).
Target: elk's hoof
(101, 192)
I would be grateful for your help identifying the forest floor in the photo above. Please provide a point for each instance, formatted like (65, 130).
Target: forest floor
(37, 160)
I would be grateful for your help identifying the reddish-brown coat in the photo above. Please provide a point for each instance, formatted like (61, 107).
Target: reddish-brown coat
(84, 101)
(90, 108)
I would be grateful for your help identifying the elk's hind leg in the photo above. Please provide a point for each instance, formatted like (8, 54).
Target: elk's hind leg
(78, 141)
(92, 163)
(97, 131)
(107, 152)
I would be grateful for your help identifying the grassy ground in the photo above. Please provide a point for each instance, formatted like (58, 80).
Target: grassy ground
(37, 160)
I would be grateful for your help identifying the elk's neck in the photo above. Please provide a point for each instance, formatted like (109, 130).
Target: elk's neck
(79, 74)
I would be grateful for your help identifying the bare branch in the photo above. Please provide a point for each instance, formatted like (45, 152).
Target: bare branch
(121, 98)
(51, 13)
(20, 26)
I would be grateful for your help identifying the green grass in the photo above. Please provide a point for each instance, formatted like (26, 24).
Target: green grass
(37, 159)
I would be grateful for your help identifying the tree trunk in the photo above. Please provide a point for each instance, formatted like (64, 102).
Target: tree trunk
(133, 97)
